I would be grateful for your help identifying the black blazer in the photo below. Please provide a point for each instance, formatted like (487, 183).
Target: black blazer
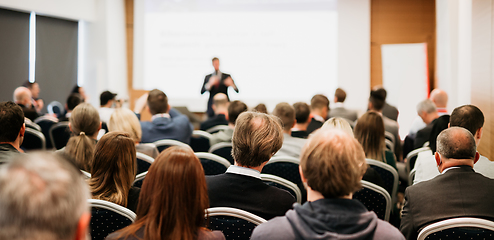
(219, 119)
(314, 125)
(221, 88)
(249, 194)
(460, 192)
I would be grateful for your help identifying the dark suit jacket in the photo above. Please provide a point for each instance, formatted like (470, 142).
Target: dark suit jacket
(390, 111)
(314, 125)
(249, 194)
(430, 132)
(29, 112)
(300, 134)
(216, 120)
(177, 127)
(343, 113)
(460, 192)
(221, 88)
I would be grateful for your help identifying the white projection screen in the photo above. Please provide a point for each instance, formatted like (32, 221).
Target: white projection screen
(275, 50)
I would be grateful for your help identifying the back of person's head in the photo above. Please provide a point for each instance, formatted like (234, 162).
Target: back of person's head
(319, 101)
(369, 131)
(261, 108)
(220, 101)
(377, 99)
(75, 89)
(157, 102)
(113, 168)
(338, 123)
(467, 116)
(286, 113)
(42, 197)
(73, 100)
(22, 95)
(456, 143)
(256, 138)
(173, 198)
(302, 112)
(125, 120)
(439, 125)
(11, 121)
(333, 163)
(426, 106)
(105, 97)
(234, 109)
(85, 124)
(439, 97)
(340, 95)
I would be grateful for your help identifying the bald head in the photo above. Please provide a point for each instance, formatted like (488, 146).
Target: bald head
(439, 97)
(220, 102)
(456, 143)
(22, 95)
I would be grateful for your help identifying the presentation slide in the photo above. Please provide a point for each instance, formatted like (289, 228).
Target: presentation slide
(275, 50)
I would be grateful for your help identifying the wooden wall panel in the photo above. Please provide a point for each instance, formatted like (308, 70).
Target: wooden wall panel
(401, 22)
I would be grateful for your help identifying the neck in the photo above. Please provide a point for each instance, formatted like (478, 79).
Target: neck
(317, 112)
(16, 144)
(258, 168)
(289, 131)
(315, 195)
(301, 126)
(455, 163)
(231, 125)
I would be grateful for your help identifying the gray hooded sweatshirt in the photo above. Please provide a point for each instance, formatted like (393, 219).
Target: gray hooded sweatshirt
(327, 219)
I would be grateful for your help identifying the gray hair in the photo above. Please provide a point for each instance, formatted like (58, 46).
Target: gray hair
(456, 143)
(426, 106)
(41, 197)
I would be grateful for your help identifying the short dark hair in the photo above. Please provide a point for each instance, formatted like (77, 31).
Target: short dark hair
(157, 102)
(467, 116)
(456, 143)
(105, 97)
(302, 112)
(377, 98)
(73, 100)
(215, 59)
(11, 121)
(319, 101)
(286, 113)
(340, 95)
(234, 109)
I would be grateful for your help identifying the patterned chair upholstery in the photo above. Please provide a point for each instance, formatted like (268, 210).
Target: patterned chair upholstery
(107, 217)
(235, 224)
(60, 134)
(284, 184)
(463, 228)
(166, 143)
(224, 150)
(286, 168)
(375, 198)
(213, 164)
(143, 162)
(388, 174)
(199, 142)
(139, 179)
(33, 140)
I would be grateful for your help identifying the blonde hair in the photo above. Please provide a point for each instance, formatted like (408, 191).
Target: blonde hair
(338, 123)
(124, 120)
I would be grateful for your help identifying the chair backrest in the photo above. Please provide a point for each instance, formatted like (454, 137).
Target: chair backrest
(411, 177)
(375, 198)
(199, 142)
(284, 184)
(287, 168)
(224, 150)
(86, 174)
(390, 137)
(108, 217)
(31, 124)
(165, 143)
(411, 158)
(388, 174)
(389, 145)
(235, 224)
(212, 163)
(217, 128)
(33, 140)
(56, 107)
(459, 228)
(139, 179)
(143, 162)
(46, 122)
(60, 134)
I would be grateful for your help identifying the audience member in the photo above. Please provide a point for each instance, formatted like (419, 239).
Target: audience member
(339, 109)
(302, 114)
(107, 102)
(166, 123)
(234, 110)
(261, 108)
(73, 100)
(369, 131)
(35, 100)
(331, 165)
(124, 120)
(428, 113)
(319, 108)
(458, 192)
(12, 130)
(113, 170)
(220, 108)
(22, 96)
(389, 111)
(81, 91)
(84, 124)
(292, 146)
(376, 103)
(256, 138)
(440, 100)
(173, 200)
(43, 197)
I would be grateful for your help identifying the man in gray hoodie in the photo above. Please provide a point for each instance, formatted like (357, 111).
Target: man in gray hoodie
(332, 164)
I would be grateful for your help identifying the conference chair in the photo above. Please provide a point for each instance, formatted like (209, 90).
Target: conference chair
(284, 184)
(411, 177)
(235, 224)
(143, 162)
(217, 128)
(411, 158)
(33, 140)
(199, 142)
(458, 228)
(108, 217)
(139, 179)
(287, 168)
(45, 123)
(60, 134)
(375, 198)
(166, 143)
(388, 174)
(224, 150)
(390, 137)
(31, 124)
(56, 108)
(389, 144)
(212, 163)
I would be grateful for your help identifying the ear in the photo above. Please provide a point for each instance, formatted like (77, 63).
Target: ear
(335, 99)
(23, 130)
(294, 122)
(70, 127)
(99, 128)
(437, 156)
(477, 157)
(369, 106)
(478, 134)
(169, 107)
(304, 180)
(83, 226)
(449, 125)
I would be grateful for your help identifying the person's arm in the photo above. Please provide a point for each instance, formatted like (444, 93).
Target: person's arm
(206, 86)
(407, 224)
(230, 83)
